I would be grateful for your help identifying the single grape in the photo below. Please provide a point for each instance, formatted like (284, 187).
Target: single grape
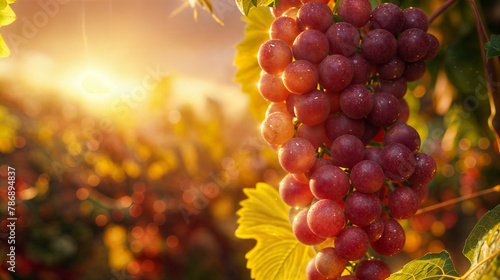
(335, 72)
(378, 46)
(285, 29)
(329, 182)
(329, 264)
(422, 193)
(310, 45)
(313, 133)
(347, 150)
(334, 98)
(372, 269)
(295, 193)
(371, 133)
(343, 38)
(387, 16)
(351, 243)
(356, 101)
(362, 208)
(386, 109)
(291, 13)
(403, 134)
(271, 88)
(413, 44)
(284, 5)
(297, 155)
(320, 162)
(433, 47)
(415, 18)
(391, 69)
(355, 12)
(372, 153)
(339, 124)
(405, 110)
(361, 69)
(290, 104)
(367, 176)
(277, 128)
(277, 107)
(315, 15)
(374, 230)
(326, 218)
(312, 108)
(414, 70)
(300, 77)
(302, 231)
(397, 161)
(274, 56)
(396, 87)
(311, 271)
(403, 203)
(392, 240)
(425, 170)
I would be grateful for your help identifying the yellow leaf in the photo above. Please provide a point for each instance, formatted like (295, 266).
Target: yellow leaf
(256, 33)
(7, 16)
(4, 50)
(278, 255)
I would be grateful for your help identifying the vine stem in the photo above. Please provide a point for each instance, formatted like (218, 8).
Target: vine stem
(458, 199)
(441, 9)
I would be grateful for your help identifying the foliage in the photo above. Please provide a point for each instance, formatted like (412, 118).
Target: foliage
(278, 255)
(246, 5)
(493, 47)
(7, 16)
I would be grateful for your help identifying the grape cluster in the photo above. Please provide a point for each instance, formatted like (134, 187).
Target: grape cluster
(338, 122)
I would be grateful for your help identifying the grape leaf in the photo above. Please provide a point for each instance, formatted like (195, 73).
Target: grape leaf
(278, 255)
(7, 16)
(432, 266)
(483, 244)
(245, 5)
(248, 73)
(4, 50)
(493, 47)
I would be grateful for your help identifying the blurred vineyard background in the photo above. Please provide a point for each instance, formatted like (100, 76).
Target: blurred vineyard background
(132, 143)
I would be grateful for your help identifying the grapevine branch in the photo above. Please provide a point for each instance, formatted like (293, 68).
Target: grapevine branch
(458, 199)
(440, 10)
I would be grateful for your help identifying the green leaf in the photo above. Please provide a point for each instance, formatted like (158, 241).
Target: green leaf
(278, 255)
(4, 50)
(375, 3)
(483, 244)
(432, 266)
(248, 73)
(245, 5)
(493, 47)
(7, 16)
(336, 7)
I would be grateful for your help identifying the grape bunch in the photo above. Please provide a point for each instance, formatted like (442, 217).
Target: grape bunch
(337, 118)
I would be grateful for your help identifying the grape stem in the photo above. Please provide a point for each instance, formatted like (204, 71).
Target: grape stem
(440, 10)
(458, 199)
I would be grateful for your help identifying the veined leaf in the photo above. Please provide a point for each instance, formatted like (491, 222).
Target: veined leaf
(7, 16)
(248, 73)
(432, 266)
(483, 244)
(278, 255)
(245, 5)
(493, 47)
(4, 50)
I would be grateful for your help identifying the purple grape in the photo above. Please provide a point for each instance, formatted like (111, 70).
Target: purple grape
(320, 162)
(285, 29)
(371, 131)
(334, 98)
(413, 44)
(297, 155)
(302, 231)
(355, 12)
(343, 38)
(347, 150)
(313, 133)
(351, 243)
(315, 15)
(361, 69)
(335, 72)
(403, 134)
(396, 87)
(372, 269)
(329, 182)
(385, 111)
(415, 18)
(422, 193)
(312, 108)
(378, 46)
(340, 124)
(425, 170)
(391, 69)
(295, 193)
(310, 45)
(433, 47)
(367, 176)
(392, 240)
(387, 16)
(403, 203)
(356, 101)
(362, 208)
(326, 218)
(414, 70)
(300, 77)
(284, 5)
(397, 161)
(405, 110)
(274, 56)
(374, 230)
(372, 153)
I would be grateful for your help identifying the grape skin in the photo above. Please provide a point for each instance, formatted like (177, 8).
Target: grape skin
(295, 193)
(302, 231)
(297, 155)
(392, 240)
(274, 56)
